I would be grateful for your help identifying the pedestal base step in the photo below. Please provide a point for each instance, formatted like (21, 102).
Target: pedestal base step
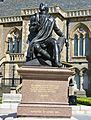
(28, 110)
(40, 118)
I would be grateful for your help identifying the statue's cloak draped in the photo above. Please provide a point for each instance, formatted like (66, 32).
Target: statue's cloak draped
(45, 29)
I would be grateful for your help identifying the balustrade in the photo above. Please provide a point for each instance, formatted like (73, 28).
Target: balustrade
(17, 57)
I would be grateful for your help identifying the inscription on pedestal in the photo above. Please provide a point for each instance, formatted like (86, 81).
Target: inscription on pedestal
(43, 111)
(44, 89)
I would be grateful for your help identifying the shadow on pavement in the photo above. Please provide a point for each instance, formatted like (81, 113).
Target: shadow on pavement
(9, 115)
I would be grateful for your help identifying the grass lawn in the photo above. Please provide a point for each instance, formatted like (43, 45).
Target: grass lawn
(84, 101)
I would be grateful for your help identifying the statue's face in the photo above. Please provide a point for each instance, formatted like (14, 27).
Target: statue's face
(43, 7)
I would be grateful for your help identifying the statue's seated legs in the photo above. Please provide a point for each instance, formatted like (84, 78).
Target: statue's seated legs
(48, 50)
(39, 50)
(52, 52)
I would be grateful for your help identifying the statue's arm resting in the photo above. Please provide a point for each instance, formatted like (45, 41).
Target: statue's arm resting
(58, 31)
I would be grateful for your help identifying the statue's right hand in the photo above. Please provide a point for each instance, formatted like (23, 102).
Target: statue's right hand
(66, 43)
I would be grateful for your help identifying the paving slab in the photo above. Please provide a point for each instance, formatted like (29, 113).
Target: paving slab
(41, 118)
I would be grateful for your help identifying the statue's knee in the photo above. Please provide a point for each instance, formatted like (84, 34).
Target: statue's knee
(37, 46)
(54, 43)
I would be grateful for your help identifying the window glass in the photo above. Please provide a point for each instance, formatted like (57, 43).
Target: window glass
(14, 43)
(75, 45)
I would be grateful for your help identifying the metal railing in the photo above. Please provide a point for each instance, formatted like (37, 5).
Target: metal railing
(10, 82)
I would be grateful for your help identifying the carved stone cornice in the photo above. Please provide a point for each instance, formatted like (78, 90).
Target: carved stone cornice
(10, 19)
(55, 9)
(81, 13)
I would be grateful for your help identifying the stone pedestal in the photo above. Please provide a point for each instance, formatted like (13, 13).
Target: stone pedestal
(81, 93)
(44, 92)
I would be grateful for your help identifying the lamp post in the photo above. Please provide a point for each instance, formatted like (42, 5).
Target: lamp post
(11, 49)
(14, 50)
(67, 35)
(13, 75)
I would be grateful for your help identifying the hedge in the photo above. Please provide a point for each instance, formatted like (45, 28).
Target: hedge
(84, 101)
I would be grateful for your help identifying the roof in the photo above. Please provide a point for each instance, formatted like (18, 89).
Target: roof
(13, 7)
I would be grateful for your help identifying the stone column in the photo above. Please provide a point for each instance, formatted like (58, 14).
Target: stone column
(25, 29)
(81, 81)
(82, 91)
(7, 82)
(89, 81)
(74, 80)
(2, 42)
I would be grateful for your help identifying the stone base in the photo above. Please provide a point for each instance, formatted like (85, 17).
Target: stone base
(44, 92)
(89, 93)
(36, 110)
(81, 93)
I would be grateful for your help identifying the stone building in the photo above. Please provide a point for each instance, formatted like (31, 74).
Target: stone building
(73, 17)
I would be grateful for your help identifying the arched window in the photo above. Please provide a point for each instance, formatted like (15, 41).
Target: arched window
(75, 45)
(10, 44)
(81, 45)
(81, 42)
(77, 81)
(14, 42)
(86, 43)
(17, 44)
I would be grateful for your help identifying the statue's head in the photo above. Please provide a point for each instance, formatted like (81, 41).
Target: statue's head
(43, 8)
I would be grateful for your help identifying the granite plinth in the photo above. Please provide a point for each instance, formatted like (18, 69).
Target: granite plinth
(44, 92)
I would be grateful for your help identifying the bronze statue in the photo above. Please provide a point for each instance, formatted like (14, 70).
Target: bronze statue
(42, 46)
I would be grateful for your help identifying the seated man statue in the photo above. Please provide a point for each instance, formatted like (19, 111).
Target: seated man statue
(41, 43)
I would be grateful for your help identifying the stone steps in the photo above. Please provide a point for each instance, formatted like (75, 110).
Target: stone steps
(81, 110)
(10, 113)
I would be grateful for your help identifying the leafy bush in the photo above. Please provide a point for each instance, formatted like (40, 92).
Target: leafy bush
(84, 100)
